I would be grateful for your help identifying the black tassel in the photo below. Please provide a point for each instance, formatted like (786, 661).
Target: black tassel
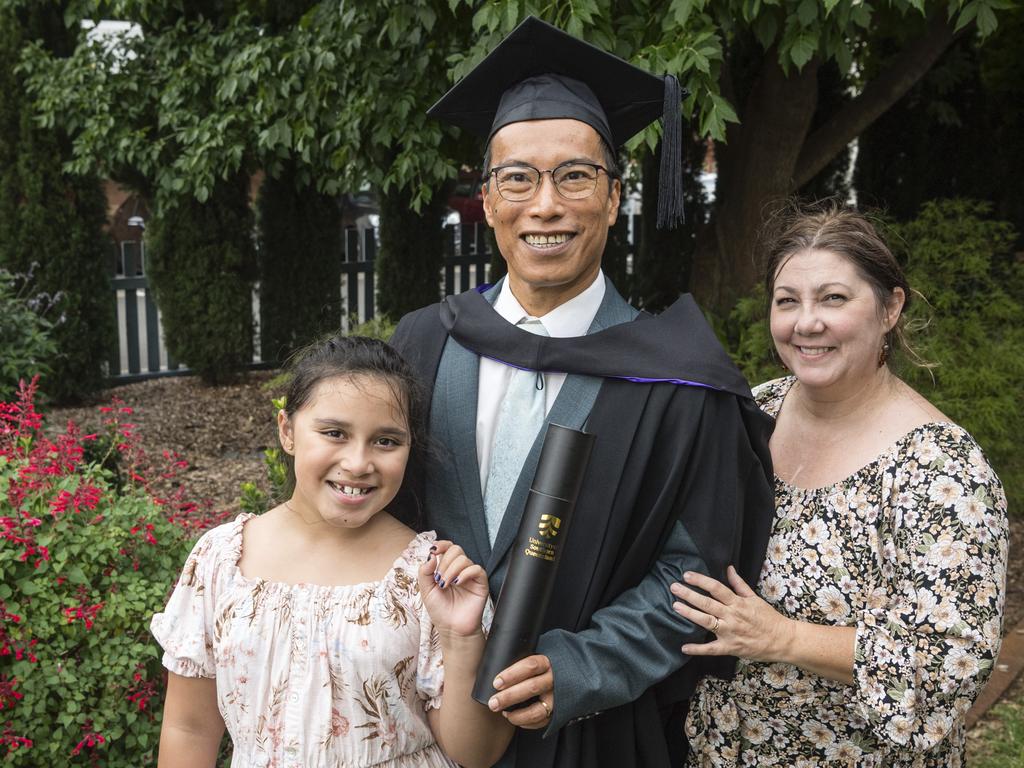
(670, 178)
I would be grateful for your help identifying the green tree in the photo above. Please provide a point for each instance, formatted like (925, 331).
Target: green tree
(753, 69)
(337, 95)
(51, 218)
(344, 91)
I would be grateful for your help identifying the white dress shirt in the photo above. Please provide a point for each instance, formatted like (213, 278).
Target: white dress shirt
(573, 318)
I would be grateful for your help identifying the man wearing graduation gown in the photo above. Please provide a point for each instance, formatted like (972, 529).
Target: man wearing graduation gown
(679, 477)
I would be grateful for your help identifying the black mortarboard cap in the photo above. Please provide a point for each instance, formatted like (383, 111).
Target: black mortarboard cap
(539, 72)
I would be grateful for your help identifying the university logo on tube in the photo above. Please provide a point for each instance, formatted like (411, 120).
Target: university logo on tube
(548, 526)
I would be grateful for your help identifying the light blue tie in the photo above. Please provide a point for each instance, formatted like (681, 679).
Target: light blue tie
(519, 420)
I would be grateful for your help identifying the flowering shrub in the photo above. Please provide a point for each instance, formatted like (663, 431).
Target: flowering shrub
(88, 552)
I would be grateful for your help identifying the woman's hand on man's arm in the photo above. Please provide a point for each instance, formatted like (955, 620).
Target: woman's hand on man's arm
(746, 626)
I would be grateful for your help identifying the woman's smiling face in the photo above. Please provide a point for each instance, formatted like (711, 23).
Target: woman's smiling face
(826, 320)
(351, 444)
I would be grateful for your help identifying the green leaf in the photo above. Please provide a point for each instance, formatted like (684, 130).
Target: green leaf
(986, 20)
(228, 86)
(860, 14)
(76, 575)
(807, 12)
(766, 26)
(844, 57)
(680, 11)
(803, 50)
(968, 15)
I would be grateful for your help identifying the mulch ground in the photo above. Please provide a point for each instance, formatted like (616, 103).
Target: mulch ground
(222, 432)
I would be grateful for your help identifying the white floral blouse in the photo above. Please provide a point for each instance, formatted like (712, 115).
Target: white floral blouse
(911, 550)
(309, 676)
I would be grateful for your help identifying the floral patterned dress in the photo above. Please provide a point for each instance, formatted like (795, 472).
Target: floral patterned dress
(309, 676)
(911, 550)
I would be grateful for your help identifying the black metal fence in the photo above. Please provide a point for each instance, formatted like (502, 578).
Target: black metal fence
(142, 352)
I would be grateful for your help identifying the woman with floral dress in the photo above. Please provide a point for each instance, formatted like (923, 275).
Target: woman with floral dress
(326, 632)
(878, 612)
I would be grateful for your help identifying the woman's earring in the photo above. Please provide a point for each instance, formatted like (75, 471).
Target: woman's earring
(883, 356)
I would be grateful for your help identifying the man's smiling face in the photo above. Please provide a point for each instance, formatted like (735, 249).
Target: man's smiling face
(553, 246)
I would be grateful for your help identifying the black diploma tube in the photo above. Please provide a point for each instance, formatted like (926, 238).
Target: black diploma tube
(523, 600)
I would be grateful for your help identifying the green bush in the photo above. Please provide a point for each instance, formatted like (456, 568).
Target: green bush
(411, 252)
(300, 265)
(83, 566)
(964, 265)
(25, 335)
(202, 266)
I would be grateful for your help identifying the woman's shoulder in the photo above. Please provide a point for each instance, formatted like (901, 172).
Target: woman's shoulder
(770, 394)
(945, 447)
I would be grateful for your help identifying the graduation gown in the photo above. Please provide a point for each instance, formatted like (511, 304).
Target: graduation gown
(679, 440)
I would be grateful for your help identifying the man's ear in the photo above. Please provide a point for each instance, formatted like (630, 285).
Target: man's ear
(488, 212)
(614, 199)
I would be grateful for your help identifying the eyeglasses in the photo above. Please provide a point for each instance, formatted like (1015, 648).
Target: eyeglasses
(573, 180)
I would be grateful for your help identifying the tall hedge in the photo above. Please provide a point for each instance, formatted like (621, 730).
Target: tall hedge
(299, 265)
(53, 219)
(202, 266)
(411, 252)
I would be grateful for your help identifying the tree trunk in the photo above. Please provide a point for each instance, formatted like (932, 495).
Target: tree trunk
(755, 167)
(877, 97)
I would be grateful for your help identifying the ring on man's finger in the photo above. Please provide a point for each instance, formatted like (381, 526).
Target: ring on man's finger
(547, 709)
(714, 627)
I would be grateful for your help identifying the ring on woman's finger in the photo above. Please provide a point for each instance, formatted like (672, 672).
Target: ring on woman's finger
(714, 627)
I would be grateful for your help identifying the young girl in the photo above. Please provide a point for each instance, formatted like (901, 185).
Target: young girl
(326, 632)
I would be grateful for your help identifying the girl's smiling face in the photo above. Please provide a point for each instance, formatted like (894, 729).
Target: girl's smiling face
(350, 443)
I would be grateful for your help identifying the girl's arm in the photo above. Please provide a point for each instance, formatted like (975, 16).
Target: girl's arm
(454, 591)
(746, 626)
(192, 727)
